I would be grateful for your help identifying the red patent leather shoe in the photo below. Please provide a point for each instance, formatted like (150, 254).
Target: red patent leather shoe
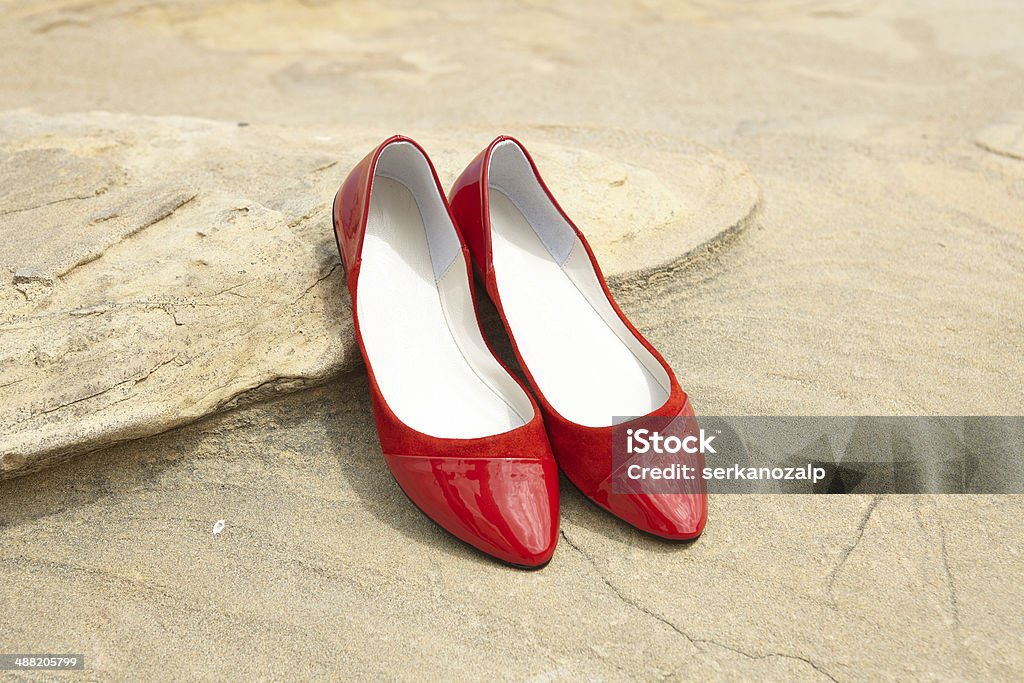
(585, 361)
(462, 436)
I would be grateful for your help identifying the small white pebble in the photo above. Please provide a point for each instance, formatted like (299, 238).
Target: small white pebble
(218, 527)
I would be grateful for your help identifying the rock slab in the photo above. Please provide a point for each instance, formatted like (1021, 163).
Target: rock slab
(154, 270)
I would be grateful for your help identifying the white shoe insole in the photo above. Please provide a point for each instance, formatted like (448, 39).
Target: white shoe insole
(421, 336)
(578, 357)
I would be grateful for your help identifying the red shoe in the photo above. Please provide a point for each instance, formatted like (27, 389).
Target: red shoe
(462, 436)
(584, 360)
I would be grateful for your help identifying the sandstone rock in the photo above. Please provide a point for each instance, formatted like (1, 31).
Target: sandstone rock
(345, 567)
(27, 275)
(1004, 137)
(167, 268)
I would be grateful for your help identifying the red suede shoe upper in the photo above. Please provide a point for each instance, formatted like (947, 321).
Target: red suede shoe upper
(497, 492)
(584, 453)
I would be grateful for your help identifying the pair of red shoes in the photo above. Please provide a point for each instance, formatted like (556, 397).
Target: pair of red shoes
(462, 435)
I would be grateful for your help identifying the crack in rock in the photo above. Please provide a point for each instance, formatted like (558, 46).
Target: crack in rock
(861, 526)
(622, 596)
(699, 644)
(134, 380)
(163, 213)
(331, 272)
(954, 601)
(1000, 152)
(268, 388)
(11, 212)
(306, 216)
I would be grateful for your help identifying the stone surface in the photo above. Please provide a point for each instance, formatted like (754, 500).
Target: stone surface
(1004, 137)
(882, 274)
(324, 569)
(193, 265)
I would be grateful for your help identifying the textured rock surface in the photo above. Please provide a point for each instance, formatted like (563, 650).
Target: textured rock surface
(324, 568)
(1004, 137)
(160, 269)
(882, 274)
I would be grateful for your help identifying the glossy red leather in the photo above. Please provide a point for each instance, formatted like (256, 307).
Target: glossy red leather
(498, 493)
(584, 453)
(507, 507)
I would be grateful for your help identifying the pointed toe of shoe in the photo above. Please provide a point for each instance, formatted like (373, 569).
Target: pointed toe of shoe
(505, 507)
(672, 516)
